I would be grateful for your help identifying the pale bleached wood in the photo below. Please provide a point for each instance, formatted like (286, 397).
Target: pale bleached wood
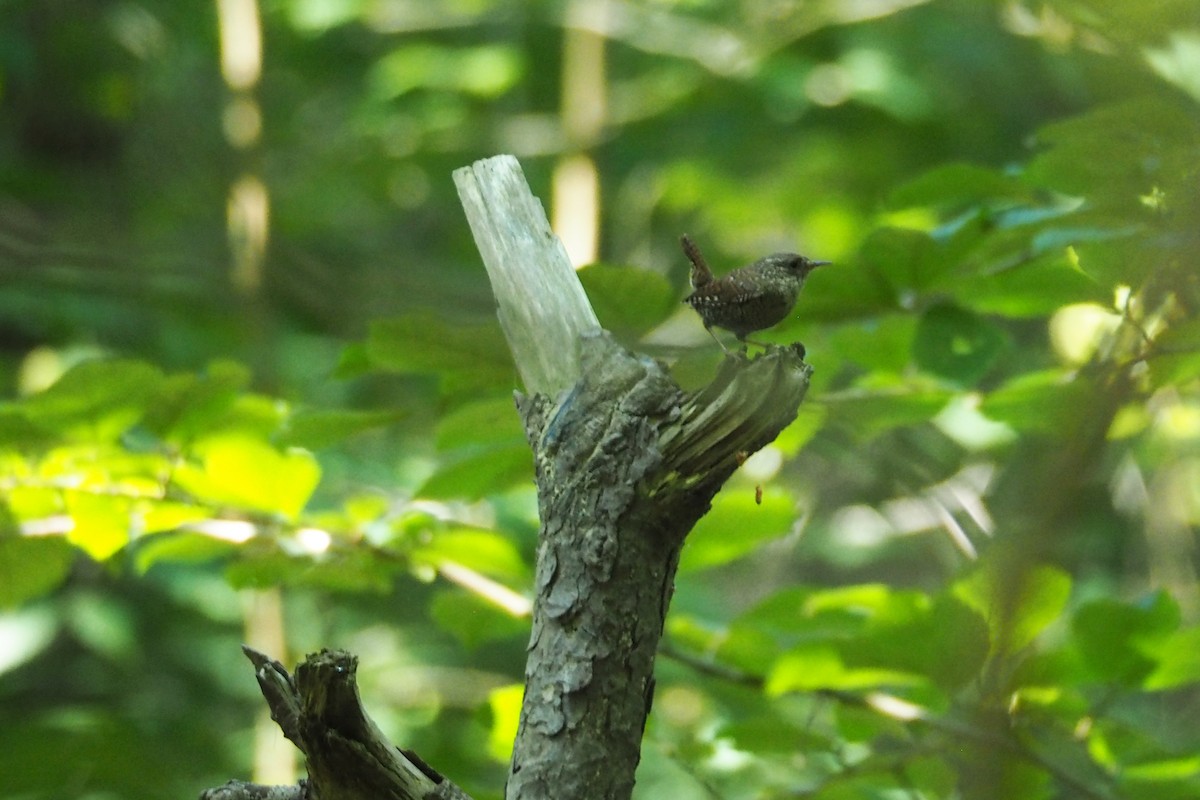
(541, 304)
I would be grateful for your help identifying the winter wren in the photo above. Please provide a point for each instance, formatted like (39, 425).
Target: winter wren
(749, 299)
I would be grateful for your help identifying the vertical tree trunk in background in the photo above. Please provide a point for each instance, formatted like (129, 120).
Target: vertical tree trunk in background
(626, 464)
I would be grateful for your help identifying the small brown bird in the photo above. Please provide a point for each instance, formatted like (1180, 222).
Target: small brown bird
(749, 299)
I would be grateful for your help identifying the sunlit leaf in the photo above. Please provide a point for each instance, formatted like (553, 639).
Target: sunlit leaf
(249, 473)
(484, 70)
(820, 666)
(1178, 660)
(505, 704)
(167, 515)
(102, 523)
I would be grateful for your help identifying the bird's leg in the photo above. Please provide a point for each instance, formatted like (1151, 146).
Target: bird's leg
(715, 339)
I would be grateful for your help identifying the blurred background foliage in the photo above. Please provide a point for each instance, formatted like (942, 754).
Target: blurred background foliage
(255, 391)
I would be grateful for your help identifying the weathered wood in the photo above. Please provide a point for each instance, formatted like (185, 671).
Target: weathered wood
(541, 304)
(348, 758)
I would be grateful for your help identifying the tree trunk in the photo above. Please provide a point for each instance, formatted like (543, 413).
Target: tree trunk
(626, 464)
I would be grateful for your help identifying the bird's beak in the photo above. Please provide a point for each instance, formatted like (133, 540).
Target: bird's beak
(815, 264)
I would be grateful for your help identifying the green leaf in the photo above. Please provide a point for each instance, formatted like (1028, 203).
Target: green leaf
(249, 473)
(18, 432)
(954, 639)
(486, 552)
(1177, 357)
(810, 667)
(1046, 401)
(1119, 641)
(628, 300)
(481, 69)
(1038, 287)
(956, 345)
(474, 621)
(957, 184)
(319, 429)
(180, 548)
(909, 260)
(465, 356)
(31, 566)
(480, 472)
(867, 414)
(747, 648)
(102, 523)
(168, 515)
(872, 629)
(853, 290)
(493, 420)
(809, 421)
(1018, 606)
(505, 705)
(881, 344)
(351, 570)
(772, 735)
(96, 400)
(191, 406)
(735, 526)
(1178, 660)
(1116, 154)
